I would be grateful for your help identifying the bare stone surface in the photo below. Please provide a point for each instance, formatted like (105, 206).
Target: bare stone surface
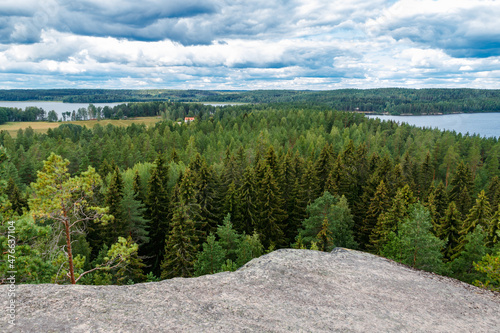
(284, 291)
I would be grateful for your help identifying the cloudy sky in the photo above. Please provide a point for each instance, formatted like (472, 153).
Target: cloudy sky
(249, 44)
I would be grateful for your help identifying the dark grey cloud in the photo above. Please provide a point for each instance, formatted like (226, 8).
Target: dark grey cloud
(463, 29)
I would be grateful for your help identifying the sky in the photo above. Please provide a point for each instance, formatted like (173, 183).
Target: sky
(249, 44)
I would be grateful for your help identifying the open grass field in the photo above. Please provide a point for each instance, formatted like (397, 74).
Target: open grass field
(43, 126)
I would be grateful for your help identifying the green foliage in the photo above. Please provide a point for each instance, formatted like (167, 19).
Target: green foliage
(263, 164)
(462, 267)
(181, 244)
(31, 264)
(211, 259)
(489, 265)
(414, 244)
(329, 224)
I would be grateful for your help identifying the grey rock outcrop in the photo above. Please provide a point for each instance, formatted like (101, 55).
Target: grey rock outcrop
(284, 291)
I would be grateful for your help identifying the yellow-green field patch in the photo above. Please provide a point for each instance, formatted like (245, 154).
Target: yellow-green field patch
(43, 126)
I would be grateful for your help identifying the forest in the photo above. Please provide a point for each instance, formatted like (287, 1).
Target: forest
(113, 205)
(394, 101)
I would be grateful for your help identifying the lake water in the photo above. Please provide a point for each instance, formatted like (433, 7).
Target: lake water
(58, 107)
(483, 124)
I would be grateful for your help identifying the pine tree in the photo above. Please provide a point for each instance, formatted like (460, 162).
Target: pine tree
(414, 244)
(211, 259)
(229, 239)
(340, 222)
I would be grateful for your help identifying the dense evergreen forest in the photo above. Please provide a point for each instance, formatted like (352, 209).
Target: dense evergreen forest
(393, 101)
(113, 205)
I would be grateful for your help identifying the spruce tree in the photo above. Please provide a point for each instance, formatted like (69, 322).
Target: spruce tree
(388, 221)
(323, 166)
(158, 215)
(16, 199)
(379, 203)
(449, 230)
(113, 199)
(270, 212)
(246, 218)
(135, 225)
(181, 245)
(462, 186)
(474, 249)
(480, 214)
(205, 184)
(493, 191)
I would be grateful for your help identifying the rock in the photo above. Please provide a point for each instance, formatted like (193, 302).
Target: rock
(284, 291)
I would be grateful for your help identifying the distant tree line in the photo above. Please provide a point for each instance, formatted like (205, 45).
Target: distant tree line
(384, 100)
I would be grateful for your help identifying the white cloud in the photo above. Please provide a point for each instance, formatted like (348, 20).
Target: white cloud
(222, 44)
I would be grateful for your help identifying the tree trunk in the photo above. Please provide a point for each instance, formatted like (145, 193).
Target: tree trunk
(70, 254)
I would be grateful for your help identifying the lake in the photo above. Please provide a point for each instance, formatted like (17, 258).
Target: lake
(58, 107)
(483, 124)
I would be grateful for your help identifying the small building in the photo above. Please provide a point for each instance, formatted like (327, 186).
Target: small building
(188, 119)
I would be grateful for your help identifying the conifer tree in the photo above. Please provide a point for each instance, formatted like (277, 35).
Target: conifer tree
(309, 183)
(187, 195)
(493, 191)
(414, 244)
(113, 199)
(340, 222)
(205, 184)
(325, 239)
(246, 218)
(379, 204)
(494, 229)
(229, 239)
(449, 230)
(474, 249)
(388, 221)
(211, 259)
(135, 225)
(16, 199)
(480, 214)
(181, 244)
(323, 166)
(462, 186)
(136, 186)
(270, 212)
(158, 215)
(426, 176)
